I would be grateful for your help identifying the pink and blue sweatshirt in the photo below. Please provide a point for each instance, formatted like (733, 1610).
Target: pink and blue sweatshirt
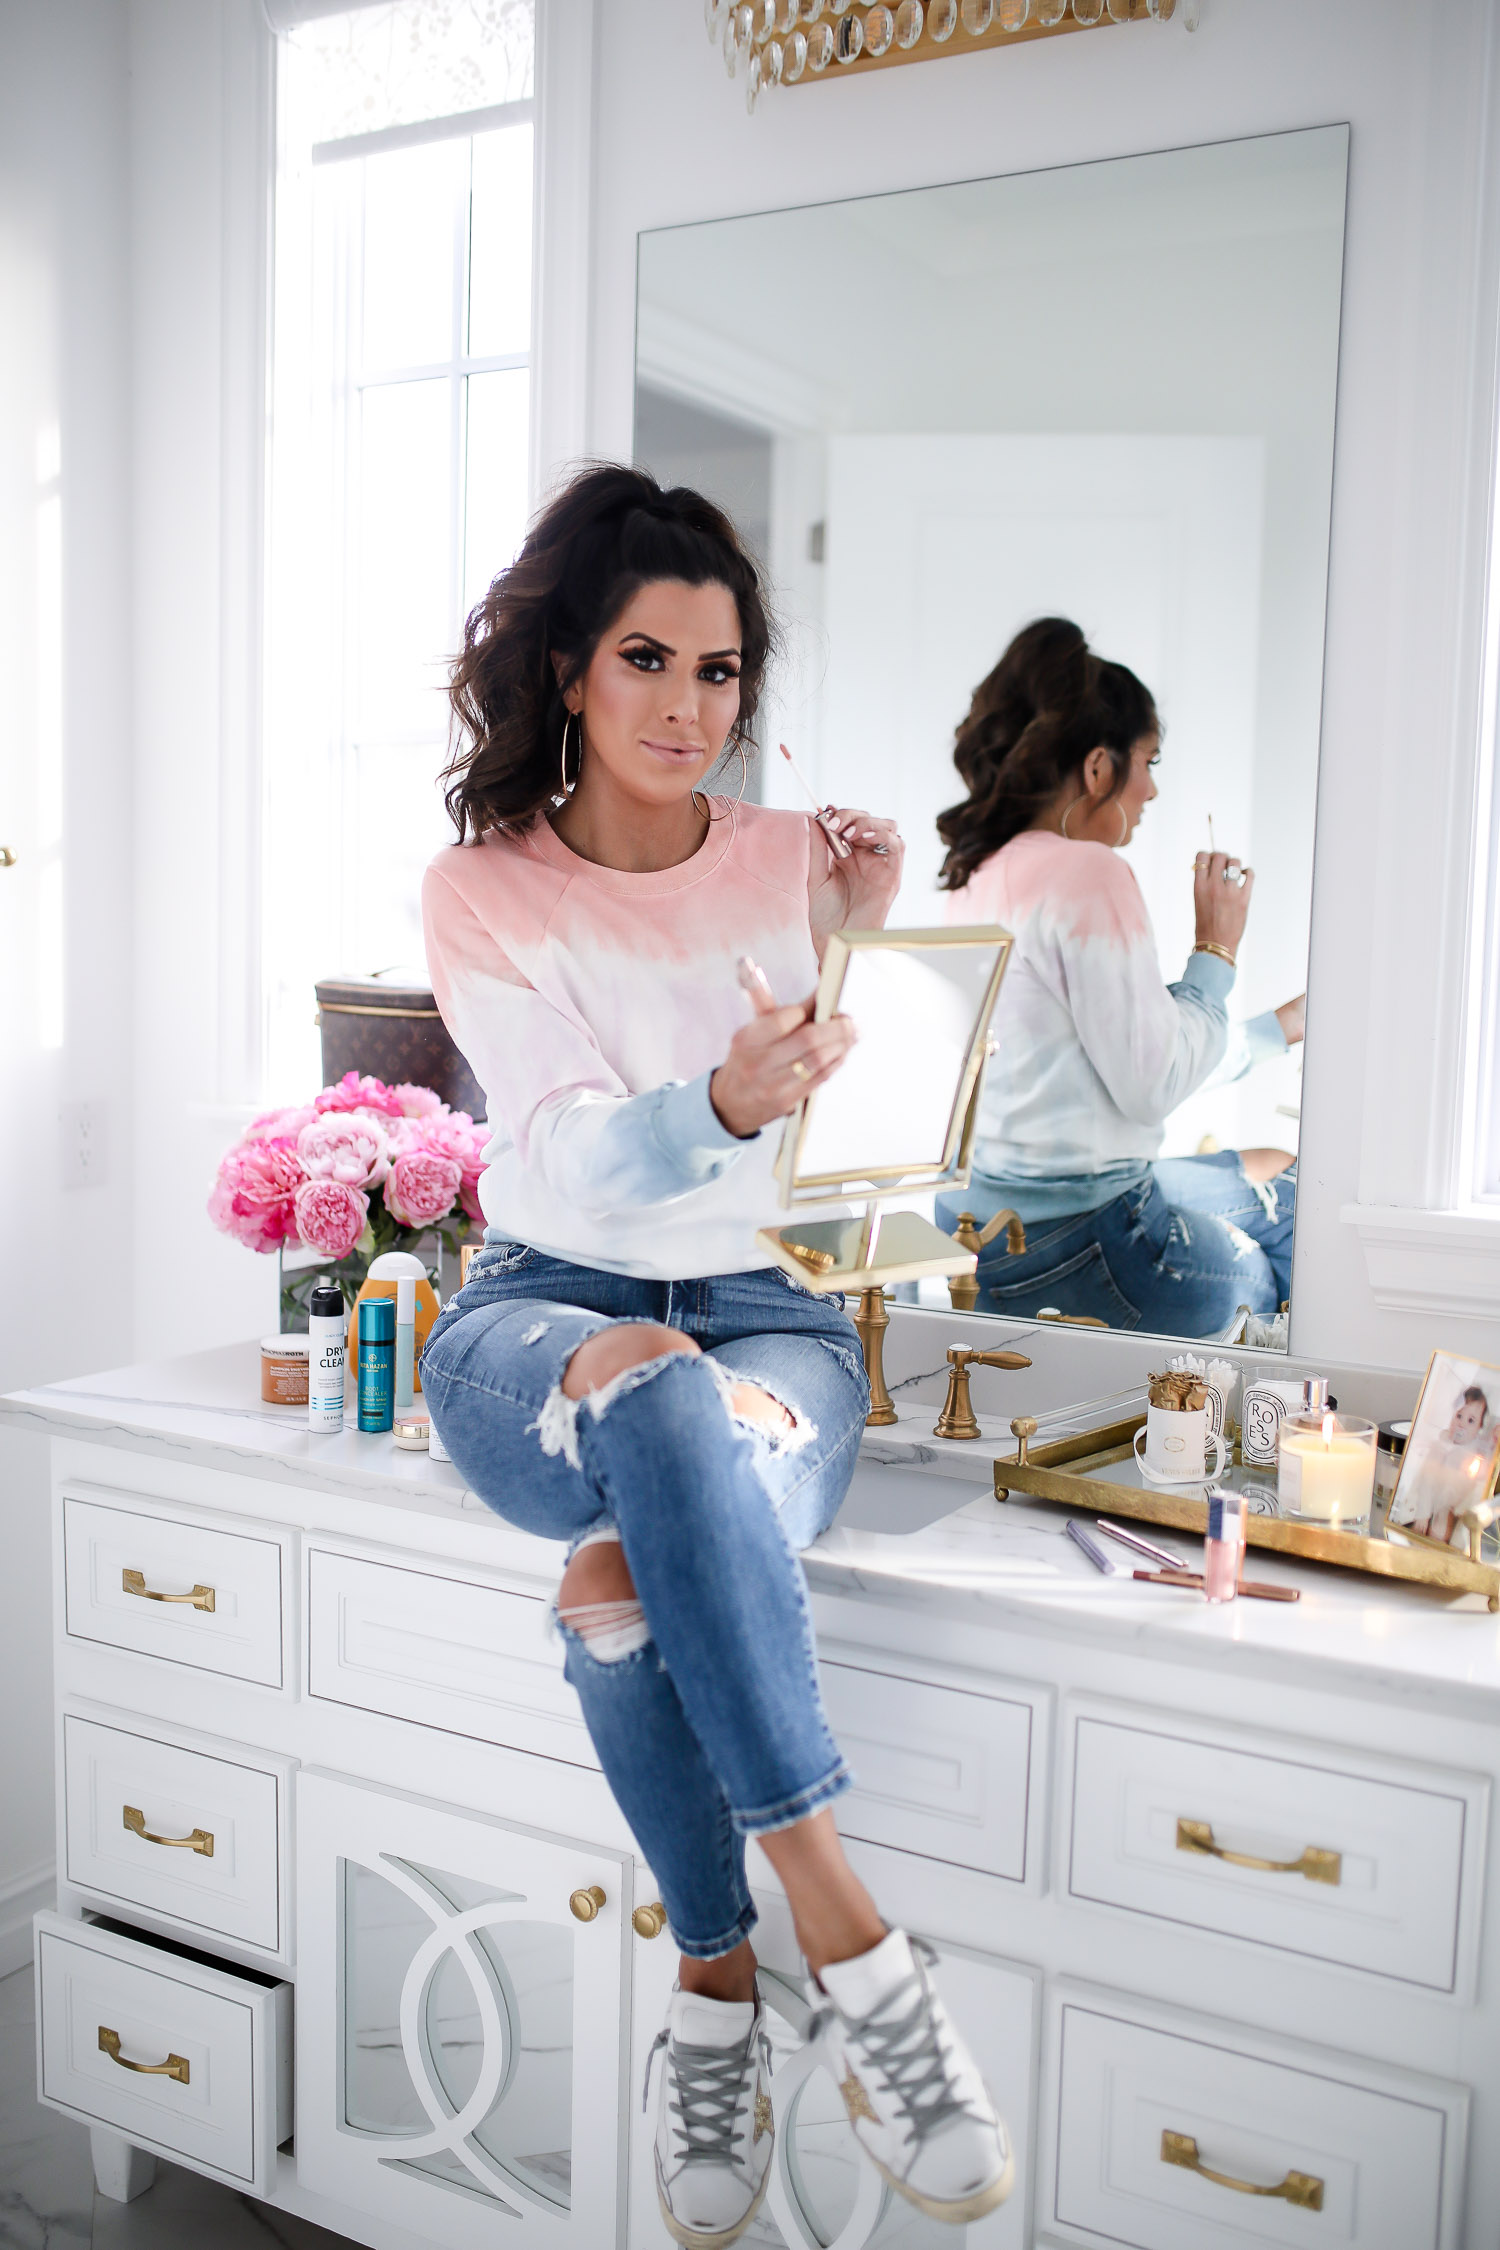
(1094, 1051)
(593, 1006)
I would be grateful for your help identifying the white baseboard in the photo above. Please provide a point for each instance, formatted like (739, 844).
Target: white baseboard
(20, 1898)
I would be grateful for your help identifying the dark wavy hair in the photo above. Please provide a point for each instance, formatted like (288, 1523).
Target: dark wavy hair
(1032, 723)
(608, 532)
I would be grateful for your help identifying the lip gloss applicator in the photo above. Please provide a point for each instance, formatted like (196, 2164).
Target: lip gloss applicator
(836, 843)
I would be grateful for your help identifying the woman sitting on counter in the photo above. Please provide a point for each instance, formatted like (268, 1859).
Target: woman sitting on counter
(1093, 1051)
(624, 1369)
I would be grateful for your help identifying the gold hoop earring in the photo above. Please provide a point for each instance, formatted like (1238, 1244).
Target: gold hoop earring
(1124, 824)
(744, 777)
(568, 787)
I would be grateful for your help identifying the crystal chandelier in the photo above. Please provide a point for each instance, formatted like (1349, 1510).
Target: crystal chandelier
(779, 42)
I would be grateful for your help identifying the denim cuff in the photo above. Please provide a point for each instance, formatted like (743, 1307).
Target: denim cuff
(714, 1949)
(766, 1819)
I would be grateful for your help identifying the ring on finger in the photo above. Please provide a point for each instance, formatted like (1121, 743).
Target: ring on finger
(800, 1070)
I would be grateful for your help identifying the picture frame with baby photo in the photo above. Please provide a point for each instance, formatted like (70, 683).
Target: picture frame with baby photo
(1451, 1462)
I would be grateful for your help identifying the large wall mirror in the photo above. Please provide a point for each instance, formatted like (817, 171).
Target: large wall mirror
(1104, 393)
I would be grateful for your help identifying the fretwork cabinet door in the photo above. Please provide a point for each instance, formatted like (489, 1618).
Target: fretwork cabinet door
(459, 2029)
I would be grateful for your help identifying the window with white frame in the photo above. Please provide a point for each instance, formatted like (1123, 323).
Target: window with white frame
(399, 461)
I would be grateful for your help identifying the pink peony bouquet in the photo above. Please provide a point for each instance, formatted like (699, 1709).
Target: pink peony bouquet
(361, 1169)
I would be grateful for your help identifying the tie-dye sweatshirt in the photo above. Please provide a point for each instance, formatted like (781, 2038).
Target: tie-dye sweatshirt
(593, 1005)
(1094, 1051)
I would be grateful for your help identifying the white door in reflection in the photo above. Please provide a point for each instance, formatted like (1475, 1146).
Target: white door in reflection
(462, 2065)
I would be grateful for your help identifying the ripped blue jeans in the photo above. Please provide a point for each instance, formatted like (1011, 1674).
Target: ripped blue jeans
(712, 1728)
(1175, 1267)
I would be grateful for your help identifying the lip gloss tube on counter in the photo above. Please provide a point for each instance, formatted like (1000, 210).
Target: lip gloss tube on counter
(1224, 1546)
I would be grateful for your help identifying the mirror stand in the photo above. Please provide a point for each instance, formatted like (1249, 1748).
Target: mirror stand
(866, 1251)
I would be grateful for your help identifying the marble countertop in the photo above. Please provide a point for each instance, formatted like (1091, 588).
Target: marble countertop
(921, 1529)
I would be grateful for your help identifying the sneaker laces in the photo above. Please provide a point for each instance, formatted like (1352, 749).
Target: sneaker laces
(903, 2040)
(709, 2080)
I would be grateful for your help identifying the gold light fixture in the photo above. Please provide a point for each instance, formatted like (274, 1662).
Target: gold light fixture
(770, 43)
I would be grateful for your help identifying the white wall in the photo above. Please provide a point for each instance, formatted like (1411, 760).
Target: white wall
(129, 347)
(65, 716)
(673, 143)
(200, 196)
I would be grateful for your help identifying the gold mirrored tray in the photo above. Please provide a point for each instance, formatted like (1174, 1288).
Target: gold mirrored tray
(1096, 1470)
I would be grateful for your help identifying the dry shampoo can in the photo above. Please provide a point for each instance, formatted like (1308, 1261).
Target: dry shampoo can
(377, 1363)
(325, 1372)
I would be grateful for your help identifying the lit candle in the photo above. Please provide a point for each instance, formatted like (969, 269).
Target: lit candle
(1325, 1468)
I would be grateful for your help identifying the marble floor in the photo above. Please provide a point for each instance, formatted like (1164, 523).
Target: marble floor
(47, 2198)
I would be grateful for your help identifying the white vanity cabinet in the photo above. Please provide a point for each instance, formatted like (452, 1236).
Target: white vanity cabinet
(1212, 1893)
(474, 2035)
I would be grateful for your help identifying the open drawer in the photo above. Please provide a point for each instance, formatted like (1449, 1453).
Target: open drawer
(163, 2045)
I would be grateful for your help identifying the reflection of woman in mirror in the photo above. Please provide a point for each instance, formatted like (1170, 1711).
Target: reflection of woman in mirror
(1094, 1051)
(625, 1369)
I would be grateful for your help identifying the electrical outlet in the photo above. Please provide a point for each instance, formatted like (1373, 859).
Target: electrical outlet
(84, 1140)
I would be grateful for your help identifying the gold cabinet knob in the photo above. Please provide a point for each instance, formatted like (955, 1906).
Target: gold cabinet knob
(7, 856)
(649, 1921)
(584, 1905)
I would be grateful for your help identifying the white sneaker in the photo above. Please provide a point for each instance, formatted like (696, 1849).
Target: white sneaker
(714, 2130)
(917, 2104)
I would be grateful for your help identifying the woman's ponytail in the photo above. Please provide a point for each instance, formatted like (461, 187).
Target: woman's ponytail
(1033, 721)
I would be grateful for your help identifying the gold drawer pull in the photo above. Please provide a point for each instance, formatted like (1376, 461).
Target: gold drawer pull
(201, 1839)
(1299, 2188)
(175, 2066)
(134, 1582)
(1316, 1864)
(649, 1921)
(584, 1905)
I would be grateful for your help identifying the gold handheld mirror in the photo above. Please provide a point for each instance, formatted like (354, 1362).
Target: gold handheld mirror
(897, 1116)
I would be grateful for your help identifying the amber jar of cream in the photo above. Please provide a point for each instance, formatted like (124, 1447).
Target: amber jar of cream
(283, 1369)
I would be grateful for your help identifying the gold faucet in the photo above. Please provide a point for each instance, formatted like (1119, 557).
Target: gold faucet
(871, 1320)
(963, 1288)
(957, 1418)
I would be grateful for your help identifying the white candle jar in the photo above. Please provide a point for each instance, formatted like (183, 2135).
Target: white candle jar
(1264, 1405)
(1325, 1469)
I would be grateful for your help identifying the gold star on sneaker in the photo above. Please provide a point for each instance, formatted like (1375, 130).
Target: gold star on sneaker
(856, 2100)
(764, 2120)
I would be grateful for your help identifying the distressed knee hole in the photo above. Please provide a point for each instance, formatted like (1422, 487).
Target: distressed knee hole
(608, 1630)
(603, 1358)
(756, 1408)
(556, 1426)
(752, 1404)
(597, 1599)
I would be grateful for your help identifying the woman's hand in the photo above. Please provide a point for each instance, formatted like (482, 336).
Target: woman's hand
(1292, 1017)
(773, 1061)
(859, 891)
(1221, 899)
